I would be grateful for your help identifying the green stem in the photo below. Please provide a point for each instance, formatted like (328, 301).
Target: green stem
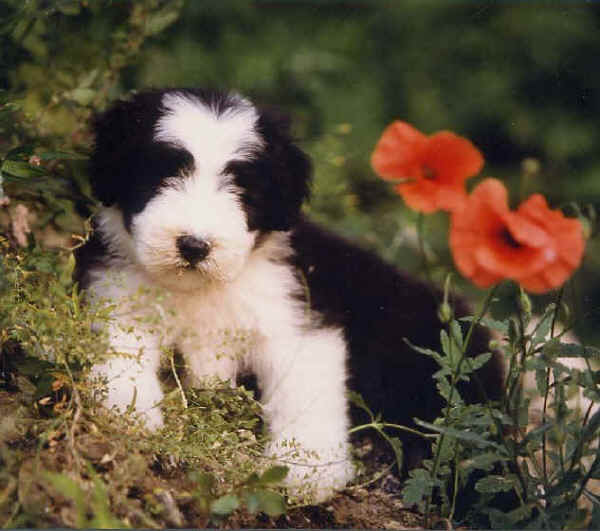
(421, 239)
(546, 394)
(436, 461)
(380, 425)
(455, 488)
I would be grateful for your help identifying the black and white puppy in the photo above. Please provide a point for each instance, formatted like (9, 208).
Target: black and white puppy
(202, 247)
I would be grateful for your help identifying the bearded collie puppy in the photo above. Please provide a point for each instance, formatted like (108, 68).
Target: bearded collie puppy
(201, 246)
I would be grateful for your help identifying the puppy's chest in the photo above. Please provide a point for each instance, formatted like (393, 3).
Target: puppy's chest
(219, 322)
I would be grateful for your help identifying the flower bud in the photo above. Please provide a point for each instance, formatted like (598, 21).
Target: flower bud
(344, 129)
(586, 227)
(566, 311)
(530, 167)
(445, 313)
(525, 303)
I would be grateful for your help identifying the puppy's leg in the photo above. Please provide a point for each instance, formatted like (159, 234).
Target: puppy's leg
(132, 372)
(303, 383)
(206, 361)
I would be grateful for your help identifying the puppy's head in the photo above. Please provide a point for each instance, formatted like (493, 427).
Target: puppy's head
(194, 178)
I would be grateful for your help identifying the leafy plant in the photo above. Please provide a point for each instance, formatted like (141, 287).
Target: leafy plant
(254, 493)
(546, 465)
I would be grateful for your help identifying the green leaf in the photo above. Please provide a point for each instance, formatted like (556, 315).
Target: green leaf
(252, 479)
(225, 505)
(448, 347)
(69, 488)
(396, 445)
(459, 434)
(34, 367)
(82, 96)
(418, 487)
(357, 400)
(275, 474)
(543, 327)
(566, 482)
(103, 518)
(537, 433)
(541, 381)
(22, 152)
(501, 520)
(61, 155)
(21, 169)
(44, 386)
(479, 361)
(514, 331)
(500, 326)
(594, 470)
(590, 431)
(456, 332)
(161, 20)
(89, 78)
(69, 7)
(446, 391)
(493, 484)
(269, 502)
(426, 351)
(556, 349)
(484, 461)
(252, 502)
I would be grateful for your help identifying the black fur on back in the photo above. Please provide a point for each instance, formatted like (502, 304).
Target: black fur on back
(379, 306)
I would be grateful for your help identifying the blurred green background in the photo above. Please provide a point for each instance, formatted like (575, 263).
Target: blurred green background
(521, 80)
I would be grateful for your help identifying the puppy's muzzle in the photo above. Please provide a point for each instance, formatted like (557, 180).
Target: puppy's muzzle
(192, 249)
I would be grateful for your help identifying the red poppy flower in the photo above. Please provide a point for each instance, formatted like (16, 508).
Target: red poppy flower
(434, 167)
(535, 246)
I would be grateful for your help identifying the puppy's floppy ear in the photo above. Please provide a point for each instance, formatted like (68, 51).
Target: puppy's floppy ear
(277, 182)
(105, 153)
(121, 133)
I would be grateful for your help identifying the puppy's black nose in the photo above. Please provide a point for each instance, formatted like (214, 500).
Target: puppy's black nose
(194, 250)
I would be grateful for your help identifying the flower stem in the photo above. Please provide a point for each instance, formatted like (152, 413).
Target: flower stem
(546, 394)
(422, 252)
(381, 425)
(436, 462)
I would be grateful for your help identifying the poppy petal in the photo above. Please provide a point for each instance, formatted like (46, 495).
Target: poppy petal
(491, 194)
(398, 152)
(450, 198)
(535, 284)
(557, 273)
(485, 279)
(453, 158)
(525, 231)
(499, 259)
(419, 196)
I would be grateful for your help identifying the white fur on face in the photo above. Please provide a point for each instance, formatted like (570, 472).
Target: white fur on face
(195, 207)
(204, 203)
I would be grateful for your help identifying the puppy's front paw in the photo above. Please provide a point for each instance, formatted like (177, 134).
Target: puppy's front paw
(314, 475)
(126, 386)
(152, 418)
(149, 412)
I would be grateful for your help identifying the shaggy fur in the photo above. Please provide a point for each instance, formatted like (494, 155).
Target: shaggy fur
(202, 246)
